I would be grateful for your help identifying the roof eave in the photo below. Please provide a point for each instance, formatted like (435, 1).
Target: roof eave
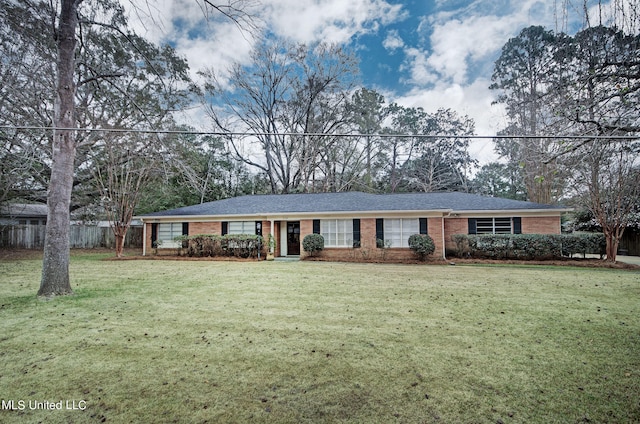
(513, 211)
(378, 213)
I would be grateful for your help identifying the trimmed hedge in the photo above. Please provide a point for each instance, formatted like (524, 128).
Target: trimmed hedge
(229, 245)
(528, 246)
(422, 245)
(313, 243)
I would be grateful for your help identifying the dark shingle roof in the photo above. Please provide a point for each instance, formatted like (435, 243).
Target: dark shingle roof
(23, 210)
(351, 202)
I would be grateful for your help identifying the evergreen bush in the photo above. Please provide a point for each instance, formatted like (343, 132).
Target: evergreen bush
(528, 246)
(313, 243)
(422, 245)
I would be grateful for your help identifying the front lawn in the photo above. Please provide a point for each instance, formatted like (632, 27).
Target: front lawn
(291, 342)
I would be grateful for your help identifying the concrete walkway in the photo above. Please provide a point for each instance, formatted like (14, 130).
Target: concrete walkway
(635, 260)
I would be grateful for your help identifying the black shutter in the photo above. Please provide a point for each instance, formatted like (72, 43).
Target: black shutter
(473, 229)
(225, 227)
(423, 226)
(380, 232)
(356, 233)
(517, 225)
(316, 226)
(154, 235)
(259, 228)
(185, 232)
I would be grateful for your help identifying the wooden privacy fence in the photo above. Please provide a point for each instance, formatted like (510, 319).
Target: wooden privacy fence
(80, 237)
(630, 243)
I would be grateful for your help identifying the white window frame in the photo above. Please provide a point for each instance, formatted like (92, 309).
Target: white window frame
(167, 232)
(496, 225)
(337, 232)
(241, 227)
(398, 230)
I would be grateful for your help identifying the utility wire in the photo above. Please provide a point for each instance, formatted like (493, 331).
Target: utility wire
(381, 135)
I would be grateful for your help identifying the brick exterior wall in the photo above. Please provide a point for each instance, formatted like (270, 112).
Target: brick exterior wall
(454, 226)
(541, 225)
(368, 250)
(530, 225)
(434, 229)
(306, 228)
(205, 228)
(368, 233)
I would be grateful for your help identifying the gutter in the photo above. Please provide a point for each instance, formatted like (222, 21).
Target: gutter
(292, 216)
(444, 242)
(453, 214)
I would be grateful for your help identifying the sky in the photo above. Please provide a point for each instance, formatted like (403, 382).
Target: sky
(418, 53)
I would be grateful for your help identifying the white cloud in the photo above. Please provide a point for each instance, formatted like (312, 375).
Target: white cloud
(214, 41)
(442, 64)
(416, 64)
(393, 41)
(205, 39)
(452, 69)
(460, 41)
(328, 20)
(457, 44)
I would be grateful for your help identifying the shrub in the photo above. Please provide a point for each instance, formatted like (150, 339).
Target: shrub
(313, 243)
(583, 243)
(242, 245)
(422, 245)
(236, 245)
(527, 246)
(462, 245)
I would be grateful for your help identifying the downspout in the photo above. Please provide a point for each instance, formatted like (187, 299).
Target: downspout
(444, 242)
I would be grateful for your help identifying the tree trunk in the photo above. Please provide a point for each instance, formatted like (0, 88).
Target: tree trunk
(120, 233)
(612, 247)
(55, 267)
(613, 238)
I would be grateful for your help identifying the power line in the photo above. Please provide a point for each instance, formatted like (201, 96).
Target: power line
(291, 134)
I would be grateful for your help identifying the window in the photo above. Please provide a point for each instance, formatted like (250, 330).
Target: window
(493, 226)
(241, 227)
(398, 231)
(337, 232)
(167, 232)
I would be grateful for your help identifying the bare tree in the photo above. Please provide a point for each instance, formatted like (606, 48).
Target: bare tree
(286, 93)
(441, 164)
(55, 267)
(599, 96)
(123, 167)
(318, 107)
(587, 85)
(257, 105)
(55, 273)
(523, 74)
(609, 174)
(399, 150)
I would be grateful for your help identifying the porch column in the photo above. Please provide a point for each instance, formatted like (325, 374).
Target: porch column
(272, 234)
(144, 238)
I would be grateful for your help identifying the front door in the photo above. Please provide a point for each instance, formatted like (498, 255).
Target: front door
(293, 238)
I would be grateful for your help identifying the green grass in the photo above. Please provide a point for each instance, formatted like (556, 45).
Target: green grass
(296, 342)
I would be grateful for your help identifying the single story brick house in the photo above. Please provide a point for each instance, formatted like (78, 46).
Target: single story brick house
(352, 223)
